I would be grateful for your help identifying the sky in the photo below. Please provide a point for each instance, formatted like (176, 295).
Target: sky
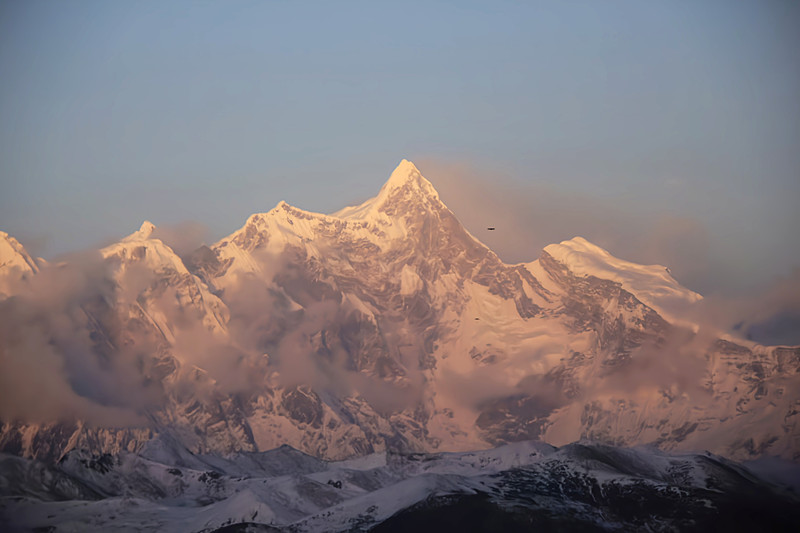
(667, 132)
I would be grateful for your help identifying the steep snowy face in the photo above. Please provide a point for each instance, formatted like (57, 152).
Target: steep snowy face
(15, 263)
(144, 233)
(148, 272)
(407, 213)
(406, 193)
(652, 284)
(14, 255)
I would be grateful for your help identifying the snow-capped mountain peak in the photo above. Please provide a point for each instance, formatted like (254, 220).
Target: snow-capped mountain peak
(406, 184)
(408, 175)
(144, 232)
(652, 284)
(404, 201)
(15, 263)
(13, 254)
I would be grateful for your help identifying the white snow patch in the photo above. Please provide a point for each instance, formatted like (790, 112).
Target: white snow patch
(410, 282)
(652, 284)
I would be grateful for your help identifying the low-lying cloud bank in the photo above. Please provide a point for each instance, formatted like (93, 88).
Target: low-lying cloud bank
(51, 367)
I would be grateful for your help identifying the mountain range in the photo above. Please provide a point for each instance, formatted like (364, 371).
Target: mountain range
(523, 486)
(382, 328)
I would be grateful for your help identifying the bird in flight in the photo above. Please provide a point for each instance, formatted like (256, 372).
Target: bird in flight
(490, 229)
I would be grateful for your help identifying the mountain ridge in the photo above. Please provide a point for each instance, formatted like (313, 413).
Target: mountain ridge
(581, 486)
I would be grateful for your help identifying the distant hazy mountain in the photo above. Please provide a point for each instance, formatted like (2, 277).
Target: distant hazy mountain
(384, 326)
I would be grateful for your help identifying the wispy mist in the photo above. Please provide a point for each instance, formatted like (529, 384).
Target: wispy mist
(52, 367)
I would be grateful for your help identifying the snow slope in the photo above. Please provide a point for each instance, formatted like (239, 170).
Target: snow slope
(15, 263)
(652, 284)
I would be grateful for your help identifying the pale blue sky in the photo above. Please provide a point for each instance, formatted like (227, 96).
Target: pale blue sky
(116, 112)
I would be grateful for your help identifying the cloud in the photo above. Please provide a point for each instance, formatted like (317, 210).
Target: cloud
(309, 351)
(51, 366)
(184, 237)
(74, 344)
(233, 371)
(299, 328)
(770, 316)
(676, 365)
